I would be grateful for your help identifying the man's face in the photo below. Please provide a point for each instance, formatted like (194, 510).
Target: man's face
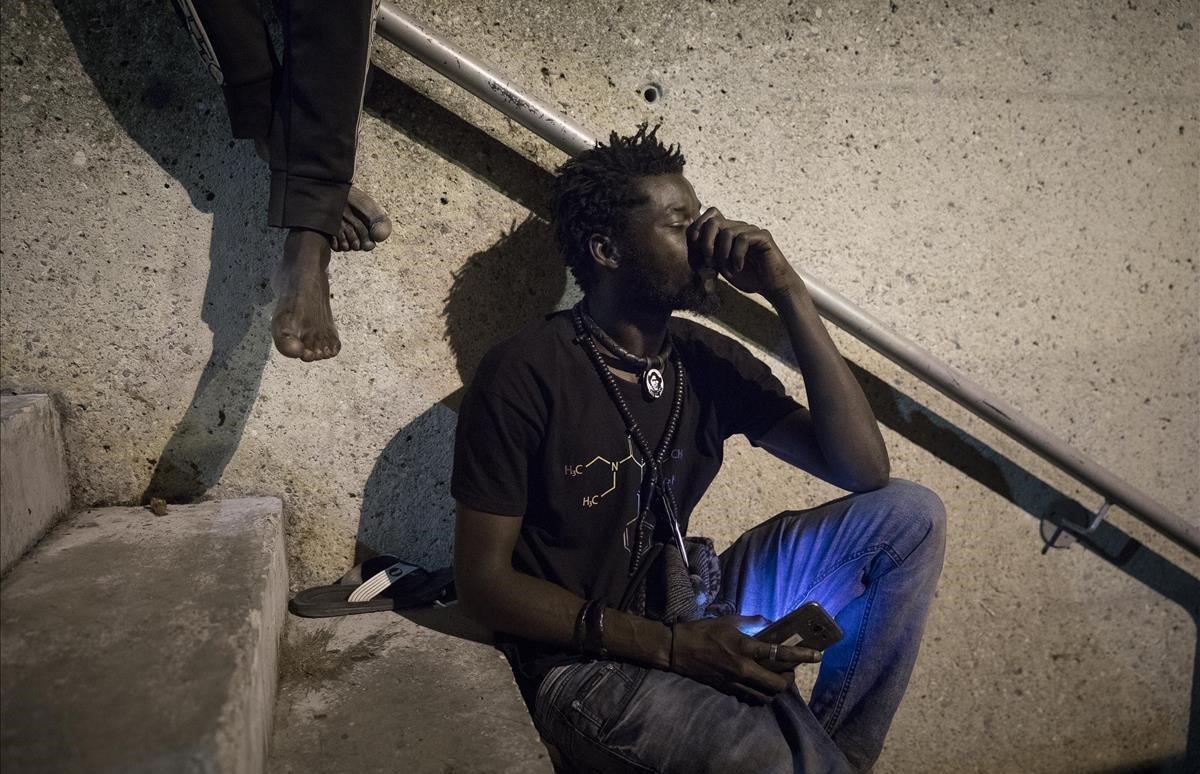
(653, 249)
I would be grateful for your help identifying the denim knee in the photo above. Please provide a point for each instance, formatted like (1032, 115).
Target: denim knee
(923, 512)
(918, 499)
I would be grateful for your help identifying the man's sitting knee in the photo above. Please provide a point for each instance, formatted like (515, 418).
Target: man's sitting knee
(919, 501)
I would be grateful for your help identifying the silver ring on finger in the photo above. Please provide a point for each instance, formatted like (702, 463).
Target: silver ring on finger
(774, 652)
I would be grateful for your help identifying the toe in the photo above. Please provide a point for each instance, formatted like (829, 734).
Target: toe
(359, 233)
(335, 240)
(371, 214)
(286, 341)
(381, 229)
(289, 346)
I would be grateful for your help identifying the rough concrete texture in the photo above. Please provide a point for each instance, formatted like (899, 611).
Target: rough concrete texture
(1014, 186)
(135, 642)
(382, 693)
(35, 489)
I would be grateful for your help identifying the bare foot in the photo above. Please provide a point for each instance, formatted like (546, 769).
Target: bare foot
(364, 222)
(303, 323)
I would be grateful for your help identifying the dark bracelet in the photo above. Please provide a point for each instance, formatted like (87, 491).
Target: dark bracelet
(671, 650)
(593, 640)
(577, 641)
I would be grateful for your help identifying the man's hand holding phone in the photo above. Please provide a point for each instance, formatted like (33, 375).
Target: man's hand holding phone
(715, 651)
(808, 626)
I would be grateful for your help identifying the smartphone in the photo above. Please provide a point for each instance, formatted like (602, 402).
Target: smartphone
(808, 626)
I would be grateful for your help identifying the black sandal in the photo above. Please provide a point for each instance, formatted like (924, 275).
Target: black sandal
(390, 584)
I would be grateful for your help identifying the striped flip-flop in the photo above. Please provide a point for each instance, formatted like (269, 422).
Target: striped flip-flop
(380, 583)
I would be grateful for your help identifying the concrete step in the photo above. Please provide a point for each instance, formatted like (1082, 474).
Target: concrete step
(139, 643)
(34, 488)
(381, 692)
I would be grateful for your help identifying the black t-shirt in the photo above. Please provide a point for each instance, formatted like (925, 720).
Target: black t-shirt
(539, 436)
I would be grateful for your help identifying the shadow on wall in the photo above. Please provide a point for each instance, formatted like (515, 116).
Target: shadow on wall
(145, 68)
(495, 293)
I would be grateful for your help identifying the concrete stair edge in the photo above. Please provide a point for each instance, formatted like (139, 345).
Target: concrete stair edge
(35, 490)
(176, 640)
(416, 692)
(255, 709)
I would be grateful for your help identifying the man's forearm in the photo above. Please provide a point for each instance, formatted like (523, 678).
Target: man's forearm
(539, 610)
(842, 419)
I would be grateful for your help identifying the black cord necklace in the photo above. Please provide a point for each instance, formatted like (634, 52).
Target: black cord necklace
(649, 369)
(654, 484)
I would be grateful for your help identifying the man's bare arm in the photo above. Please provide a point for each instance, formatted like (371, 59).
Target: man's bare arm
(840, 418)
(503, 599)
(839, 440)
(793, 440)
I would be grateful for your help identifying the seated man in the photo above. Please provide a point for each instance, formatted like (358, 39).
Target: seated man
(585, 442)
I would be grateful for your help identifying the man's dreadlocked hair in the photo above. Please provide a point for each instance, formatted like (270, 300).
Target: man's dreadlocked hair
(594, 189)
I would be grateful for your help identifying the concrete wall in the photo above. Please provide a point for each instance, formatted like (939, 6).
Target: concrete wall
(1014, 186)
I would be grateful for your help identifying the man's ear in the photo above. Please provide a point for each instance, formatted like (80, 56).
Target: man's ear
(604, 251)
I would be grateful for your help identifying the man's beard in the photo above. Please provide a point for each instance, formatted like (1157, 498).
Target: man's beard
(650, 288)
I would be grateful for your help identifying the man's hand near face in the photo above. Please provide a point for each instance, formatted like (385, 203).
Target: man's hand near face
(744, 254)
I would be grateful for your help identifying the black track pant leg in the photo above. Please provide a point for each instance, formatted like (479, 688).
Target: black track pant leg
(327, 47)
(308, 108)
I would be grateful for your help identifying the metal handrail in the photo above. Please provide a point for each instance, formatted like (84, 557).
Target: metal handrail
(434, 50)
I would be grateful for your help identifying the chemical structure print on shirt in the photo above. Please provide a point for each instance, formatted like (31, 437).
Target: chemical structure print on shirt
(600, 471)
(603, 463)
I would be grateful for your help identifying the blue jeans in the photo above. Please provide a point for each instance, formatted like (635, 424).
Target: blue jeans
(872, 560)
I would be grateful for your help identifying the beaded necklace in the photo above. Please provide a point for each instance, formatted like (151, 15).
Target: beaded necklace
(654, 484)
(649, 369)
